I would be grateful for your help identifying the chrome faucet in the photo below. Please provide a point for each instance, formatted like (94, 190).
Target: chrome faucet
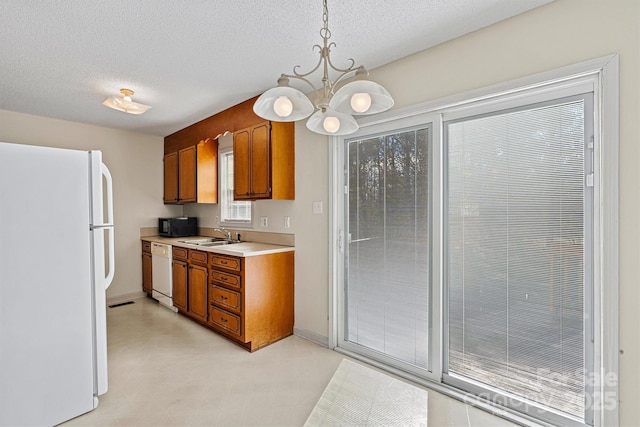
(226, 233)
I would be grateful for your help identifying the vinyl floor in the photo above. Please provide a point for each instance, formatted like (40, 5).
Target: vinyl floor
(165, 370)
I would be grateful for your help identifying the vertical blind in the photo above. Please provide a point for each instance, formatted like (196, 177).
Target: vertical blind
(515, 252)
(231, 210)
(387, 291)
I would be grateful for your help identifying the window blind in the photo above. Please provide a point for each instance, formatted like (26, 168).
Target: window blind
(515, 252)
(231, 210)
(387, 283)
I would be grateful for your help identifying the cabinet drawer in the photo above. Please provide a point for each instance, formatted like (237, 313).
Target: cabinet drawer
(180, 253)
(225, 320)
(226, 298)
(198, 257)
(146, 247)
(226, 279)
(225, 262)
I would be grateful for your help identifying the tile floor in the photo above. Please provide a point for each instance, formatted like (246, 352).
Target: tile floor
(165, 370)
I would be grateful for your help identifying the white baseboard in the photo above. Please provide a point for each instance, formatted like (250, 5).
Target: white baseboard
(311, 336)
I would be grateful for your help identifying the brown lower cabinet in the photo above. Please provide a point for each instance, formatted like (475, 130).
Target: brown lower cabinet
(147, 278)
(180, 273)
(197, 285)
(249, 300)
(190, 274)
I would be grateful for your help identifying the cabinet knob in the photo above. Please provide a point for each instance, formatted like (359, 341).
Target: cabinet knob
(223, 320)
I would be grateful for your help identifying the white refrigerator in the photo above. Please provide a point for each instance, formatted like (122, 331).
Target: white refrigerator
(56, 261)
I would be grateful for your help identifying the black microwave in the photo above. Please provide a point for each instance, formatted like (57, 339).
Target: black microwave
(178, 227)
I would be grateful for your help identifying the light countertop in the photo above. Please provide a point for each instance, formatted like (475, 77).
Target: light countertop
(242, 249)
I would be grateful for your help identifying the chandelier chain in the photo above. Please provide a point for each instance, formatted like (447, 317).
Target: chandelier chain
(323, 94)
(325, 33)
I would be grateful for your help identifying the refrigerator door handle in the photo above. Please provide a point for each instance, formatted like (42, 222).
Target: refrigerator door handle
(109, 193)
(109, 220)
(110, 239)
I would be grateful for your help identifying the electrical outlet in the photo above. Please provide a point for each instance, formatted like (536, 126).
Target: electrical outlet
(264, 221)
(287, 222)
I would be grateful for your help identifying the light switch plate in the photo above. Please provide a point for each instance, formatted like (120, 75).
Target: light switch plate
(317, 207)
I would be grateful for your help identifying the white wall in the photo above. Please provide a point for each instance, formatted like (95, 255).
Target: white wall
(561, 33)
(135, 162)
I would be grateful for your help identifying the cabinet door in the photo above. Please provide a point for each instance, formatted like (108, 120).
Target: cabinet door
(147, 284)
(197, 292)
(171, 178)
(207, 171)
(187, 175)
(180, 285)
(241, 165)
(260, 162)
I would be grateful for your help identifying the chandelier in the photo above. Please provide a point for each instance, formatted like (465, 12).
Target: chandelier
(331, 110)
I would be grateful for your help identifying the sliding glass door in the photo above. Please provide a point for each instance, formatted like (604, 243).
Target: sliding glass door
(477, 249)
(517, 249)
(387, 261)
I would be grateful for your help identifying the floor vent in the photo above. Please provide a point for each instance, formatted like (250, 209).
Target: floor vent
(120, 304)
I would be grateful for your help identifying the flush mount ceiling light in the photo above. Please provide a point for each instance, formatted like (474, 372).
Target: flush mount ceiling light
(124, 103)
(333, 111)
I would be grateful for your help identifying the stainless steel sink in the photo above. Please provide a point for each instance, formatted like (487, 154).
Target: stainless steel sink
(222, 242)
(209, 242)
(200, 241)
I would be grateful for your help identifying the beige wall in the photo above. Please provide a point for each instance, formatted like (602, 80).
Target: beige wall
(135, 162)
(561, 33)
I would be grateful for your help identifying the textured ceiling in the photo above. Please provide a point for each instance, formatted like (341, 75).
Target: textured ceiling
(192, 59)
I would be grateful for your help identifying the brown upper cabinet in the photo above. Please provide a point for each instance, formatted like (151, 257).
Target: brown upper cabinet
(171, 177)
(264, 162)
(191, 174)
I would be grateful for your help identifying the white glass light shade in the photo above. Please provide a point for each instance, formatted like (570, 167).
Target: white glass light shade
(270, 104)
(126, 106)
(381, 99)
(331, 122)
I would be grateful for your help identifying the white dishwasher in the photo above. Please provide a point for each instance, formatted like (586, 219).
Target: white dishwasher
(161, 274)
